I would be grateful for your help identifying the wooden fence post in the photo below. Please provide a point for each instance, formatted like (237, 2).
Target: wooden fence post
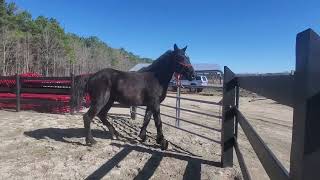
(237, 94)
(72, 107)
(228, 117)
(305, 148)
(18, 97)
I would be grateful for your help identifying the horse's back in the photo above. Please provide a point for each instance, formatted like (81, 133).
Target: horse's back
(131, 88)
(134, 88)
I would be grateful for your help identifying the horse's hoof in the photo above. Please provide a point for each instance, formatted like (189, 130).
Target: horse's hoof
(159, 140)
(90, 142)
(164, 144)
(116, 137)
(143, 137)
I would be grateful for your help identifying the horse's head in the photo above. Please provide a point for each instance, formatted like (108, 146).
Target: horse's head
(182, 63)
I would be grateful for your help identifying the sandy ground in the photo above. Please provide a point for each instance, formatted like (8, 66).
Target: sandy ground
(51, 146)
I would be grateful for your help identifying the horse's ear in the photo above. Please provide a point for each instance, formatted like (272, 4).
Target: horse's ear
(175, 47)
(184, 49)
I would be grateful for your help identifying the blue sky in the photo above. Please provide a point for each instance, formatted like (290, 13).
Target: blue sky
(247, 36)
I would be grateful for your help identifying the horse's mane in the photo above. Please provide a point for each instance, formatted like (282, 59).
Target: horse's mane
(155, 65)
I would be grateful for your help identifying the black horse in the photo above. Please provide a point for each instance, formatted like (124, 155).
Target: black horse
(148, 87)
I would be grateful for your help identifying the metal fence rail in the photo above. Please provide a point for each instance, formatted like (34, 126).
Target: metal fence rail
(184, 120)
(177, 117)
(185, 130)
(219, 87)
(195, 100)
(191, 111)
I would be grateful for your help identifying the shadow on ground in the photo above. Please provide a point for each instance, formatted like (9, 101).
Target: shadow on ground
(59, 134)
(128, 144)
(192, 171)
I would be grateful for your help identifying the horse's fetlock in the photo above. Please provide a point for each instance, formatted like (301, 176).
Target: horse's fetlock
(159, 139)
(143, 136)
(164, 144)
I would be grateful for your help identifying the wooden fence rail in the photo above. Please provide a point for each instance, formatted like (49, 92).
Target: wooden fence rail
(301, 91)
(275, 87)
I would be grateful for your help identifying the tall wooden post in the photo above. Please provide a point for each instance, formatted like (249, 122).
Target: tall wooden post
(305, 148)
(18, 97)
(228, 118)
(237, 94)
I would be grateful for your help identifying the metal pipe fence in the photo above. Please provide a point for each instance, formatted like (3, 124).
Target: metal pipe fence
(178, 109)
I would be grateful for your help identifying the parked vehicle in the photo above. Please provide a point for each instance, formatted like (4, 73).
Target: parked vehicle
(195, 85)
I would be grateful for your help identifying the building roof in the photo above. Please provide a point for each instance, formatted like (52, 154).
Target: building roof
(197, 67)
(206, 67)
(137, 67)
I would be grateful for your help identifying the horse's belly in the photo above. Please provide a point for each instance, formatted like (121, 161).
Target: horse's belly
(134, 93)
(132, 99)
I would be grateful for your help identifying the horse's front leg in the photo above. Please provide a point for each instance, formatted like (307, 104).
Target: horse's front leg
(160, 138)
(146, 121)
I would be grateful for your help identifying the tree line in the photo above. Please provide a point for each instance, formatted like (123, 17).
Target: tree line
(42, 46)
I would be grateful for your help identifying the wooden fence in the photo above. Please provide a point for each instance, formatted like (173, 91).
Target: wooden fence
(301, 91)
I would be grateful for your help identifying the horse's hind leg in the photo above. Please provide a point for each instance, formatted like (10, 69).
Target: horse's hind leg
(97, 103)
(103, 117)
(146, 121)
(87, 118)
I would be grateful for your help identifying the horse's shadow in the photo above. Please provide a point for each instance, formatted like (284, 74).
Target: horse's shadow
(65, 135)
(122, 123)
(59, 134)
(192, 171)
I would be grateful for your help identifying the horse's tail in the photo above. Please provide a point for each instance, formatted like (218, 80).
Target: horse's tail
(79, 89)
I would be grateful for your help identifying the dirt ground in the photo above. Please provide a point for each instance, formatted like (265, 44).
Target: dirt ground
(51, 146)
(273, 123)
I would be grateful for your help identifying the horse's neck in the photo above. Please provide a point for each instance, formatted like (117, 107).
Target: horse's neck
(164, 75)
(164, 79)
(162, 69)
